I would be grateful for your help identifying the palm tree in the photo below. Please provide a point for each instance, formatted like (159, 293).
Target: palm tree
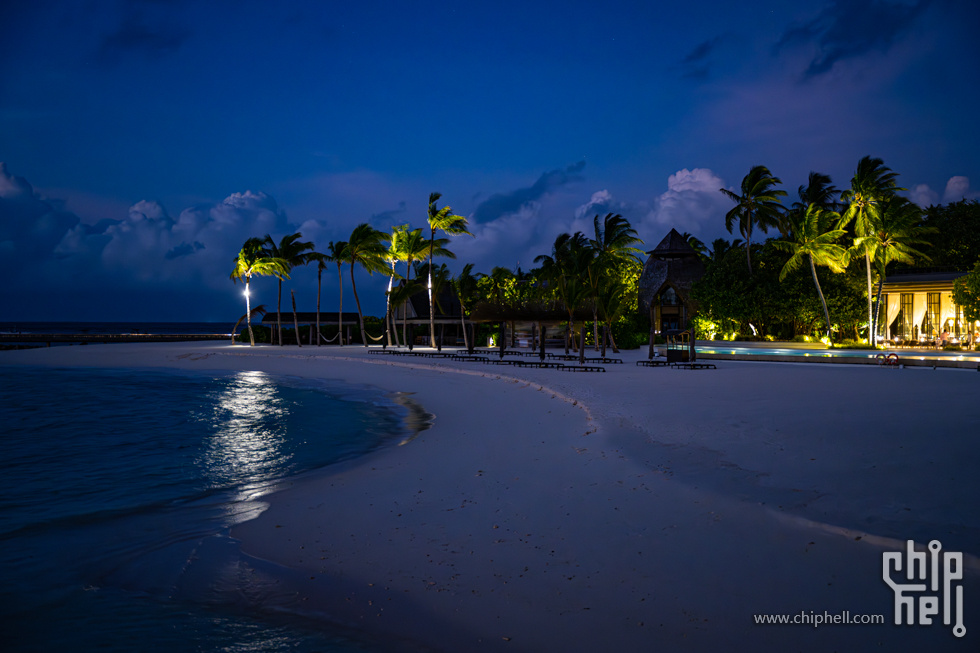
(757, 206)
(440, 220)
(293, 253)
(258, 310)
(612, 247)
(415, 248)
(337, 252)
(465, 285)
(568, 269)
(871, 184)
(819, 190)
(394, 254)
(896, 234)
(814, 239)
(440, 277)
(365, 247)
(254, 260)
(321, 261)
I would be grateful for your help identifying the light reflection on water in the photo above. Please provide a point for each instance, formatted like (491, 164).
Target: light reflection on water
(246, 448)
(121, 488)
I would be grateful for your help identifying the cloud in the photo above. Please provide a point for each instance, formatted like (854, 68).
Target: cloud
(923, 195)
(30, 225)
(957, 188)
(695, 63)
(151, 36)
(502, 204)
(692, 203)
(848, 29)
(184, 249)
(385, 219)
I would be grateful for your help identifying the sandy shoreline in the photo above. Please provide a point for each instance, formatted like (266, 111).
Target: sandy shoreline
(641, 509)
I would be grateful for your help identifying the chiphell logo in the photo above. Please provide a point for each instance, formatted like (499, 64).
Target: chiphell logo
(937, 577)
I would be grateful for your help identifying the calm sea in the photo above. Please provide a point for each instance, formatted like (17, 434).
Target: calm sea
(119, 490)
(117, 327)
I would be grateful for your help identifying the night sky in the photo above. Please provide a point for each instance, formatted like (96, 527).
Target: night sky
(144, 141)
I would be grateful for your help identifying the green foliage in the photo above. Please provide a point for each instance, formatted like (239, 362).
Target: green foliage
(731, 299)
(966, 293)
(956, 239)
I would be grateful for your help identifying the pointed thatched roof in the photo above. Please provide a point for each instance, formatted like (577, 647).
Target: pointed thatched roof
(672, 246)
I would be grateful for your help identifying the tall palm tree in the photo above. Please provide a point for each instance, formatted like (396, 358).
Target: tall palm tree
(445, 221)
(365, 247)
(567, 268)
(294, 253)
(394, 254)
(757, 206)
(814, 239)
(612, 246)
(465, 285)
(321, 261)
(896, 235)
(873, 182)
(337, 252)
(254, 260)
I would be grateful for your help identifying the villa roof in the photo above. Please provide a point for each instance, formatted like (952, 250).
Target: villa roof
(672, 245)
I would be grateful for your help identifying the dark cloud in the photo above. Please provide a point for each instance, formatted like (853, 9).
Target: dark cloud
(848, 29)
(30, 225)
(501, 204)
(701, 51)
(388, 217)
(697, 63)
(138, 34)
(183, 249)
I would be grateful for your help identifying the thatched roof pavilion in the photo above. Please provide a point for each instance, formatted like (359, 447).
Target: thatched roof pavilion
(665, 283)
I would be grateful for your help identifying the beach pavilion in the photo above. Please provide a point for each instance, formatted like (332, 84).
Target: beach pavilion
(665, 284)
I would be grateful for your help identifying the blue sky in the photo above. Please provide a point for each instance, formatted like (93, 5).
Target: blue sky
(145, 140)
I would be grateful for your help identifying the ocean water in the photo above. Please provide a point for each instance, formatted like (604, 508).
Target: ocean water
(120, 486)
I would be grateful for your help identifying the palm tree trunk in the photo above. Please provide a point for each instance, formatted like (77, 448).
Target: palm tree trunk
(319, 281)
(360, 315)
(595, 327)
(432, 300)
(279, 313)
(748, 252)
(408, 277)
(462, 321)
(612, 340)
(340, 314)
(867, 263)
(877, 312)
(248, 312)
(603, 349)
(388, 318)
(826, 313)
(292, 293)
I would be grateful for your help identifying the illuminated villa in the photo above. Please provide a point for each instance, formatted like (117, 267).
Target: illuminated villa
(917, 306)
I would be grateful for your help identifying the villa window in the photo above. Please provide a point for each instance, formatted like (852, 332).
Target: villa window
(669, 298)
(930, 322)
(903, 321)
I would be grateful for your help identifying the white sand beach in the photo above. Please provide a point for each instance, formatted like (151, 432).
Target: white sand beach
(642, 509)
